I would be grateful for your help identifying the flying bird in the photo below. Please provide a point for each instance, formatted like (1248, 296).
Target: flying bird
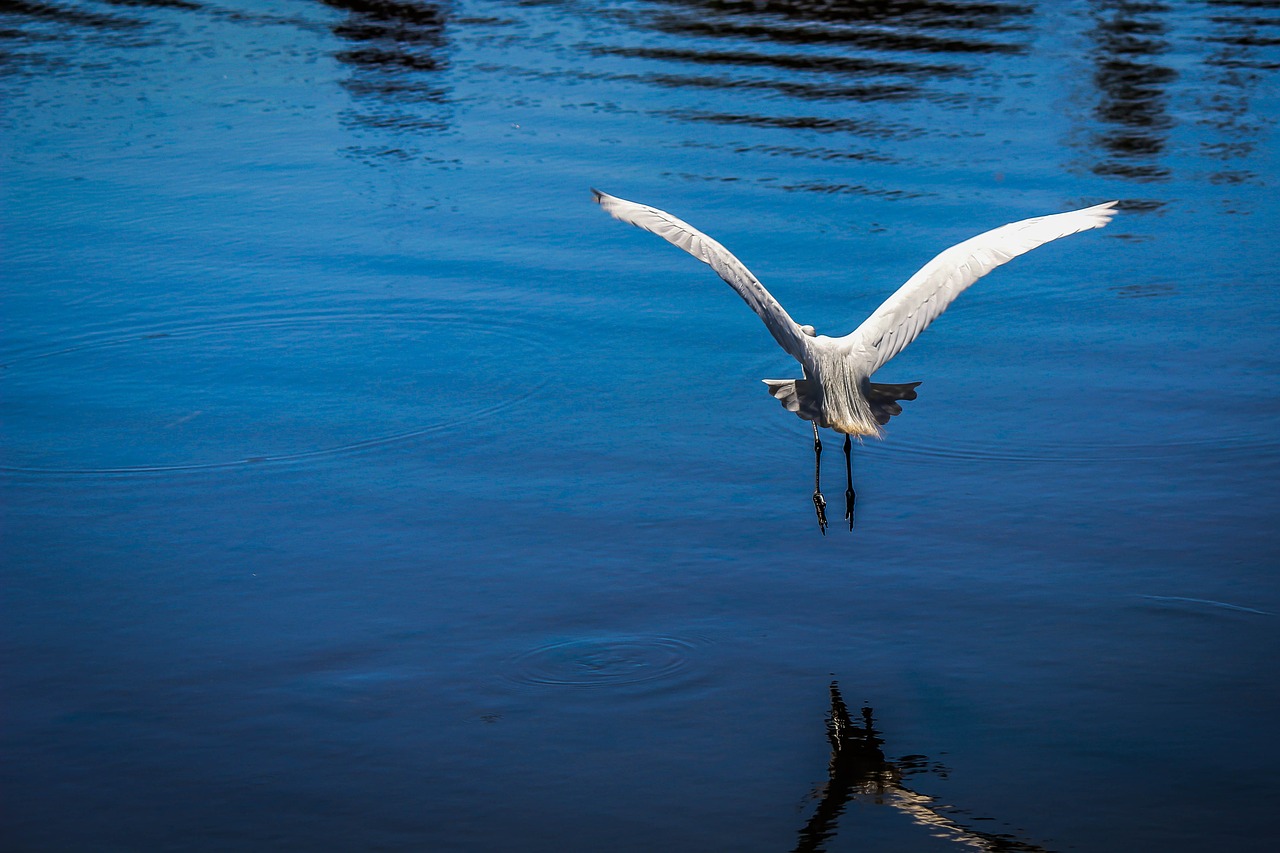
(836, 391)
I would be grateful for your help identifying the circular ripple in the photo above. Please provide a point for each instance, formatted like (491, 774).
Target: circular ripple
(604, 662)
(262, 388)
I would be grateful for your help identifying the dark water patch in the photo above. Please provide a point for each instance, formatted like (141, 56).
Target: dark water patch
(1139, 205)
(1247, 47)
(1144, 291)
(815, 153)
(62, 15)
(818, 124)
(798, 90)
(852, 26)
(1132, 82)
(915, 14)
(386, 60)
(1234, 72)
(792, 62)
(855, 189)
(399, 122)
(404, 91)
(1242, 4)
(397, 53)
(388, 20)
(30, 33)
(808, 187)
(804, 91)
(184, 5)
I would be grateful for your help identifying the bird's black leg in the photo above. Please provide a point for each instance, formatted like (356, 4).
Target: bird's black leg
(849, 495)
(819, 502)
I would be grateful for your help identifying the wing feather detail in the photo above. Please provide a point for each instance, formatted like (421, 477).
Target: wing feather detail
(929, 292)
(680, 233)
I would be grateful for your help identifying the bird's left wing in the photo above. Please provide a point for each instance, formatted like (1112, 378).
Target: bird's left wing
(680, 233)
(920, 301)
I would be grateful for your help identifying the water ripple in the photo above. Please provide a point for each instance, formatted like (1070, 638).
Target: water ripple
(258, 389)
(929, 451)
(604, 661)
(1080, 451)
(1203, 603)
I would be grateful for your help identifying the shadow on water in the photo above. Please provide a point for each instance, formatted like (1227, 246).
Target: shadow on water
(805, 70)
(859, 770)
(33, 35)
(1130, 39)
(1135, 74)
(396, 52)
(931, 27)
(1236, 66)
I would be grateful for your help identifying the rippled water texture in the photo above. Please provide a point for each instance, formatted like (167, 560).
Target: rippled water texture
(364, 486)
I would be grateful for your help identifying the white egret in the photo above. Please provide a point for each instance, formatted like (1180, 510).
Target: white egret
(836, 391)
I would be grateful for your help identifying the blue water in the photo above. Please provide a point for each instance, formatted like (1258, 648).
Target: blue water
(366, 487)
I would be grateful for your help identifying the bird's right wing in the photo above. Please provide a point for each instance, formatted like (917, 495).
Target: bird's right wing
(924, 297)
(680, 233)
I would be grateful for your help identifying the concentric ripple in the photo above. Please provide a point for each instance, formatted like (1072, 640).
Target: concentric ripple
(605, 661)
(261, 388)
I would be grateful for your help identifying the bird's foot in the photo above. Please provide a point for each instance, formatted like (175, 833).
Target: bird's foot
(849, 498)
(820, 504)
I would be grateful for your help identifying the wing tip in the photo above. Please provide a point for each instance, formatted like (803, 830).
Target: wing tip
(611, 205)
(1102, 213)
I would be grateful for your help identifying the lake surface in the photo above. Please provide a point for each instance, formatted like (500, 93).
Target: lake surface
(366, 487)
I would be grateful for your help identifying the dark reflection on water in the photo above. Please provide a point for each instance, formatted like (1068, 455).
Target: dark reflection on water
(859, 770)
(832, 57)
(32, 34)
(856, 127)
(1237, 62)
(397, 51)
(1130, 39)
(841, 64)
(63, 15)
(869, 26)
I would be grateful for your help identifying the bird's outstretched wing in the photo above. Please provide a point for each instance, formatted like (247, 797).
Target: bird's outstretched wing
(920, 301)
(680, 233)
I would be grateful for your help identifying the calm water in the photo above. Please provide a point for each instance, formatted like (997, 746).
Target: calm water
(366, 487)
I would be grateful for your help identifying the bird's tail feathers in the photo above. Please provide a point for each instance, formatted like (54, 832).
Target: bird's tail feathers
(884, 398)
(796, 395)
(785, 391)
(799, 396)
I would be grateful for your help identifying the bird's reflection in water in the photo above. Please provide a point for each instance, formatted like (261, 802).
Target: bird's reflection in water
(859, 769)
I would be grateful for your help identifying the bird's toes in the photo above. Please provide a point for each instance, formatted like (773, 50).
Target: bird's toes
(820, 505)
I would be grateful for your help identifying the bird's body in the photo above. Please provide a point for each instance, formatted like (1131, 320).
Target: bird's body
(836, 391)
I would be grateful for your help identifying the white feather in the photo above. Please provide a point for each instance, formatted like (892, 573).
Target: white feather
(909, 311)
